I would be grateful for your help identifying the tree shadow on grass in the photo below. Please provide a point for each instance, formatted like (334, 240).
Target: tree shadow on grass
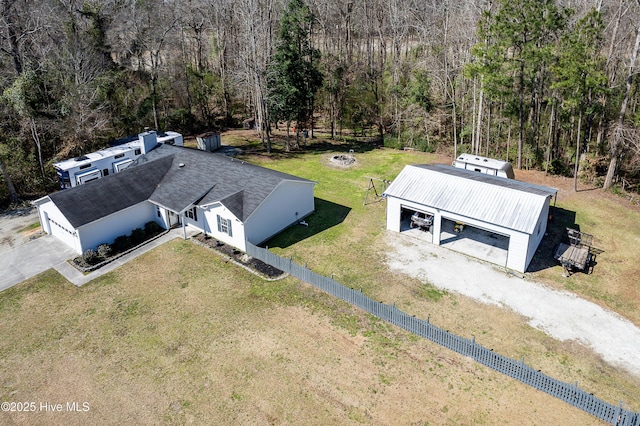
(556, 232)
(326, 215)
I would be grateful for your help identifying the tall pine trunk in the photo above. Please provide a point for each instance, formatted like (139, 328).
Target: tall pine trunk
(617, 143)
(577, 164)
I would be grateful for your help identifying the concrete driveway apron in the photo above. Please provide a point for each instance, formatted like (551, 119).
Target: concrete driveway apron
(31, 258)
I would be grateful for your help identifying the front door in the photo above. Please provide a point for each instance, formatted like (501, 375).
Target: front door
(174, 219)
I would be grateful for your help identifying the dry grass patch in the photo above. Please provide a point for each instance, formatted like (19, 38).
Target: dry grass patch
(180, 336)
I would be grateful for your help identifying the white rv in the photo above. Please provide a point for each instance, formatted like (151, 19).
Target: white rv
(484, 165)
(121, 153)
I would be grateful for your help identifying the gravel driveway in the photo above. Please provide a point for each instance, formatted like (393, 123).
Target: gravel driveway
(560, 314)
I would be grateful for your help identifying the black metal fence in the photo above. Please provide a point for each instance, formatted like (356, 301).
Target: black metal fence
(517, 369)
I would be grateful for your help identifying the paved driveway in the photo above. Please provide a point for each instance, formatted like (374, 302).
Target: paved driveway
(22, 257)
(23, 261)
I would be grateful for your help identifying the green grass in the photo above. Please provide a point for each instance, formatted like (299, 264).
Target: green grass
(31, 227)
(346, 225)
(193, 339)
(428, 291)
(350, 249)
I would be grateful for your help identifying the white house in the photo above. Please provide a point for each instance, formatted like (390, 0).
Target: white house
(504, 212)
(231, 200)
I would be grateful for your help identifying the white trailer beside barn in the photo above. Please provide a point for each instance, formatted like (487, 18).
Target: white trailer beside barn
(489, 166)
(505, 217)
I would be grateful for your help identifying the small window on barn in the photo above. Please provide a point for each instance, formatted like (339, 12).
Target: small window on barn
(105, 172)
(137, 151)
(224, 225)
(115, 157)
(85, 166)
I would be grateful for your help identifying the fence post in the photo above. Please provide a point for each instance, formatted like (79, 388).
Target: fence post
(473, 347)
(618, 411)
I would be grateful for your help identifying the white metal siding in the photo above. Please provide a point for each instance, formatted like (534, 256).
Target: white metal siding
(476, 205)
(519, 242)
(517, 255)
(492, 203)
(538, 233)
(393, 214)
(287, 204)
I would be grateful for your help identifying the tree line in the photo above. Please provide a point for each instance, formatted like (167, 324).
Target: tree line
(547, 84)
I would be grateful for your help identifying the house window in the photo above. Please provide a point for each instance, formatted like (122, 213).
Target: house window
(137, 151)
(192, 214)
(85, 166)
(115, 157)
(105, 172)
(158, 212)
(224, 225)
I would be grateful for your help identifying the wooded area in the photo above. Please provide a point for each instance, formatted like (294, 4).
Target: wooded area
(542, 83)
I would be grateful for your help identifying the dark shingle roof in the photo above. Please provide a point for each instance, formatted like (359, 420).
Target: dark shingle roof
(99, 198)
(174, 178)
(206, 178)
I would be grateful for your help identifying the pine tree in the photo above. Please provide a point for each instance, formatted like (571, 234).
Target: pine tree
(579, 73)
(293, 76)
(514, 51)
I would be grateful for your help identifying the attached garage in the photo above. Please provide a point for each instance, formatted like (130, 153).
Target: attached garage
(496, 219)
(233, 201)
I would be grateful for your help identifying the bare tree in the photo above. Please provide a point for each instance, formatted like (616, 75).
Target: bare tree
(256, 19)
(618, 141)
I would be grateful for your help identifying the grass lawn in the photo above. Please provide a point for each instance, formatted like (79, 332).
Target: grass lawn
(180, 336)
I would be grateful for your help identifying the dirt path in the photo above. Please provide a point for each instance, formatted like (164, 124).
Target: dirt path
(13, 221)
(562, 315)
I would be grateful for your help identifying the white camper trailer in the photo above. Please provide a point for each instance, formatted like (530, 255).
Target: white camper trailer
(122, 152)
(485, 165)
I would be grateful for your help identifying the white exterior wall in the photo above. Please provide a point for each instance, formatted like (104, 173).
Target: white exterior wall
(393, 213)
(538, 233)
(198, 223)
(521, 246)
(288, 204)
(54, 223)
(210, 226)
(105, 230)
(105, 162)
(162, 217)
(517, 255)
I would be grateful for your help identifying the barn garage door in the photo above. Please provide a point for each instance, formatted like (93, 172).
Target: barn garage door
(476, 242)
(423, 233)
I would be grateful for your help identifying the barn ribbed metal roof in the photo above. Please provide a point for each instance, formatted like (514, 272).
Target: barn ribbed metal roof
(505, 202)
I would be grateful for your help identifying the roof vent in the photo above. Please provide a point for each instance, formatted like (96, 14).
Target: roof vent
(181, 165)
